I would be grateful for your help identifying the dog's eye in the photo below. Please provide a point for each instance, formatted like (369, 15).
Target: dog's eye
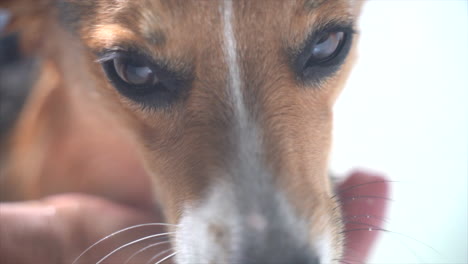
(134, 72)
(323, 53)
(326, 46)
(142, 80)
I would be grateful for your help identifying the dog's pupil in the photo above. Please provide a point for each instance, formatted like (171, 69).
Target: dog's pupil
(133, 73)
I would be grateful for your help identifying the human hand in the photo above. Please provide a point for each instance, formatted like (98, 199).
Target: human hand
(57, 229)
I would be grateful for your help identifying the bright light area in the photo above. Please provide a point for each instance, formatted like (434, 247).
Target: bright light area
(404, 113)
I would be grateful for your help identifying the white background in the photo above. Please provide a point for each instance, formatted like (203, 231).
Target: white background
(404, 113)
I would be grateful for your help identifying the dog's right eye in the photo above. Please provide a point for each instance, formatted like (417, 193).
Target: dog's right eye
(142, 80)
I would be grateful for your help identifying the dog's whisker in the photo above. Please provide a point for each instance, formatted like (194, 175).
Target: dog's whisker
(359, 197)
(364, 229)
(116, 233)
(166, 258)
(131, 243)
(383, 219)
(354, 261)
(405, 245)
(157, 255)
(144, 249)
(348, 261)
(364, 224)
(370, 229)
(341, 191)
(342, 261)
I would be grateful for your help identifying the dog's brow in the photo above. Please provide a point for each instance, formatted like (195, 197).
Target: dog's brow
(71, 12)
(155, 37)
(311, 5)
(108, 35)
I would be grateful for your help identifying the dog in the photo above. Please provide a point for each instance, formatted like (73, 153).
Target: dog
(227, 105)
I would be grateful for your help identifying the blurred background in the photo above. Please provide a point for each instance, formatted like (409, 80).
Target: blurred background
(404, 113)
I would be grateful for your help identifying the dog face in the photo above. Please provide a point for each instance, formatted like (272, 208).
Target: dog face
(231, 105)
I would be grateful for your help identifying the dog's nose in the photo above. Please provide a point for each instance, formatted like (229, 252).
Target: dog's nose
(284, 258)
(278, 251)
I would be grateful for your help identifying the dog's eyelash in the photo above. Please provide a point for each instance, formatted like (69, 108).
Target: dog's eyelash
(118, 52)
(107, 56)
(348, 27)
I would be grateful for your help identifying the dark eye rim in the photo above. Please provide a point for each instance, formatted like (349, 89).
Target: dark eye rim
(170, 87)
(320, 69)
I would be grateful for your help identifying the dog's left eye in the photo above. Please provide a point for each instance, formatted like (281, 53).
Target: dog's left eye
(323, 53)
(326, 47)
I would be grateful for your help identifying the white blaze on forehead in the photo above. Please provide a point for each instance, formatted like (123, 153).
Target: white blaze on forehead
(246, 164)
(243, 205)
(230, 51)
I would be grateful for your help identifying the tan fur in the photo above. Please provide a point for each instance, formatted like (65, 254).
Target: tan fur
(75, 115)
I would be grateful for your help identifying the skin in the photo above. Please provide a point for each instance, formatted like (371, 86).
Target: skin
(46, 230)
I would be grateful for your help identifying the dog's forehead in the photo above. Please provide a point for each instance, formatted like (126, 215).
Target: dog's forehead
(153, 20)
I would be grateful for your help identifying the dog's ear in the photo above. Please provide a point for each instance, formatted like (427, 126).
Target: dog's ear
(26, 18)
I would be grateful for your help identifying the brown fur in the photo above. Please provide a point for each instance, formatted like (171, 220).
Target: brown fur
(75, 116)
